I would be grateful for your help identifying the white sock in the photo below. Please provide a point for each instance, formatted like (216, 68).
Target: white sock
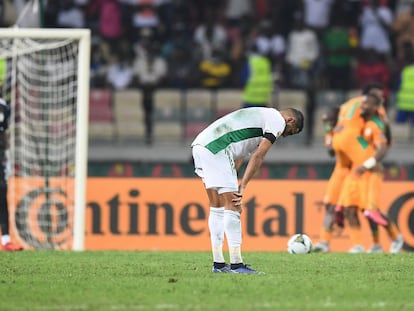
(5, 239)
(216, 226)
(232, 228)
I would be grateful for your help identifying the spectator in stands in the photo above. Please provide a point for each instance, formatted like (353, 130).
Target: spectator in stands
(171, 12)
(257, 79)
(180, 69)
(271, 43)
(70, 15)
(110, 25)
(403, 6)
(338, 50)
(98, 65)
(372, 68)
(281, 13)
(239, 39)
(301, 55)
(236, 10)
(203, 10)
(376, 21)
(150, 70)
(143, 15)
(210, 35)
(404, 30)
(405, 94)
(180, 38)
(119, 73)
(214, 71)
(316, 14)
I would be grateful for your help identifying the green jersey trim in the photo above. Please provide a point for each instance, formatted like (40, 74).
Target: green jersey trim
(362, 142)
(378, 122)
(224, 141)
(352, 110)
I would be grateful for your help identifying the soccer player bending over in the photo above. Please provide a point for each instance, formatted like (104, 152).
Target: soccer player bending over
(218, 152)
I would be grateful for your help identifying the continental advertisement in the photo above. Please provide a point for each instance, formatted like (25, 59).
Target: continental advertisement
(171, 214)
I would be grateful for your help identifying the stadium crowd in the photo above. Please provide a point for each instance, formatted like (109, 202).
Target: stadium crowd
(343, 44)
(311, 44)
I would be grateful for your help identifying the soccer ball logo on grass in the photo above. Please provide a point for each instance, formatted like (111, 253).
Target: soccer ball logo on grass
(299, 244)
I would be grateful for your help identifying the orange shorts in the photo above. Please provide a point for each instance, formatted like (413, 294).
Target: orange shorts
(355, 191)
(351, 150)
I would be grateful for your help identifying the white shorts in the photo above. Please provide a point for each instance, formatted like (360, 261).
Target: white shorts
(217, 170)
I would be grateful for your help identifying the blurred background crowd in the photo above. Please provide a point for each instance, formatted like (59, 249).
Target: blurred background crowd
(337, 44)
(311, 44)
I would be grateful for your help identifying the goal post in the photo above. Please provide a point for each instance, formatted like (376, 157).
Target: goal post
(45, 80)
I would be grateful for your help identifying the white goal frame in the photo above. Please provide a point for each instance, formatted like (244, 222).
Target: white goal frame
(82, 114)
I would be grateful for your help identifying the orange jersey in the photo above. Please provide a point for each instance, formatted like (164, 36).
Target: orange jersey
(349, 117)
(374, 132)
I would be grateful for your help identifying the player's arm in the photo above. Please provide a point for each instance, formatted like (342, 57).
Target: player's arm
(380, 142)
(255, 162)
(238, 163)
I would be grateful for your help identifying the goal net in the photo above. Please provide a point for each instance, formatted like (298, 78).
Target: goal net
(44, 75)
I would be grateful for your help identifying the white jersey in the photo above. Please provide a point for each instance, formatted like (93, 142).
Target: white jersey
(241, 131)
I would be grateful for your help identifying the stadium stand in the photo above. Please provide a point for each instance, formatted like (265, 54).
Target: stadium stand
(228, 100)
(198, 111)
(128, 115)
(101, 117)
(168, 115)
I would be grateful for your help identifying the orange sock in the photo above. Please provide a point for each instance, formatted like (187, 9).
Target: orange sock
(356, 235)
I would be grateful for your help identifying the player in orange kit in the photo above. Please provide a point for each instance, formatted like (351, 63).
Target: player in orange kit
(352, 151)
(374, 135)
(349, 123)
(329, 118)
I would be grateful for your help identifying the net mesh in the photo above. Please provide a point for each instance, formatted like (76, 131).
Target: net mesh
(40, 83)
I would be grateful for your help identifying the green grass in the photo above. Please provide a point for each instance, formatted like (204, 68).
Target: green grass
(56, 280)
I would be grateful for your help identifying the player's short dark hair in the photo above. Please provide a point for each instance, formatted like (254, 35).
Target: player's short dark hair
(298, 115)
(370, 86)
(378, 100)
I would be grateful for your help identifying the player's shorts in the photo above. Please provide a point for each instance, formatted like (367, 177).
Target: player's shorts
(354, 191)
(217, 171)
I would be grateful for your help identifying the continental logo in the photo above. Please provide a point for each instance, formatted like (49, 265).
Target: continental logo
(43, 219)
(401, 212)
(172, 214)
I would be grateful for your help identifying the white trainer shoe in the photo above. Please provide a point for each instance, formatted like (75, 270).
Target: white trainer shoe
(321, 247)
(397, 244)
(356, 249)
(375, 249)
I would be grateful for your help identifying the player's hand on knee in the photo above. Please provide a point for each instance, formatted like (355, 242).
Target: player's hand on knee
(237, 201)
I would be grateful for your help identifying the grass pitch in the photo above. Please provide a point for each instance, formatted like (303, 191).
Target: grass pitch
(58, 280)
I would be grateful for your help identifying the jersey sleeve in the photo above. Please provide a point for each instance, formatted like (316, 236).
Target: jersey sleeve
(374, 133)
(274, 126)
